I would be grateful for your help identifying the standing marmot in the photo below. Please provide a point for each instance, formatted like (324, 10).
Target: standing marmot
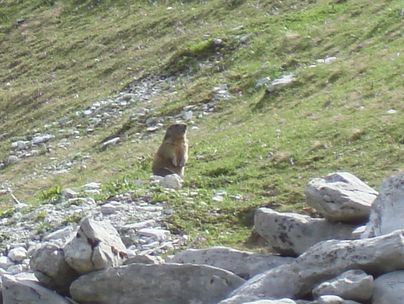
(172, 153)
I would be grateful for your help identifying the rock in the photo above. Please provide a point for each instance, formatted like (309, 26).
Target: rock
(18, 291)
(16, 269)
(321, 262)
(96, 246)
(244, 264)
(110, 142)
(91, 186)
(331, 299)
(50, 268)
(292, 234)
(17, 254)
(62, 235)
(20, 145)
(12, 159)
(155, 284)
(388, 210)
(40, 139)
(281, 301)
(351, 285)
(281, 82)
(172, 181)
(111, 208)
(389, 288)
(156, 234)
(69, 193)
(144, 259)
(340, 197)
(5, 262)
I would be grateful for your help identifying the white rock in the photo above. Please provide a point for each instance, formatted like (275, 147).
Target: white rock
(280, 301)
(292, 234)
(63, 234)
(15, 269)
(387, 212)
(155, 284)
(156, 234)
(172, 181)
(331, 299)
(12, 159)
(111, 208)
(187, 115)
(244, 264)
(5, 262)
(322, 261)
(389, 288)
(40, 139)
(91, 186)
(17, 254)
(351, 285)
(111, 142)
(18, 291)
(340, 196)
(20, 145)
(69, 193)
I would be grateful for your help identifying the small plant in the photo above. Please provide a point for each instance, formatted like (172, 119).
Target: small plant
(53, 195)
(73, 218)
(41, 216)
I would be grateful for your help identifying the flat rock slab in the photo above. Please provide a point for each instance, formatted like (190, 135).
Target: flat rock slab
(340, 196)
(387, 212)
(292, 234)
(17, 291)
(244, 264)
(155, 284)
(321, 262)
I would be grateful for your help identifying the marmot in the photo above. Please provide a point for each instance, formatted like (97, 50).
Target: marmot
(172, 153)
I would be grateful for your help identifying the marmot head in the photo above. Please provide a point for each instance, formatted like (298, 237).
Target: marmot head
(176, 130)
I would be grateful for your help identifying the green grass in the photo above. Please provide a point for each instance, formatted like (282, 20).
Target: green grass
(261, 148)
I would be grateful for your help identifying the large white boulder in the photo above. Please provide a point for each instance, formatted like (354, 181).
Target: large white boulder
(340, 196)
(96, 246)
(321, 262)
(155, 284)
(243, 263)
(389, 288)
(387, 212)
(353, 284)
(292, 234)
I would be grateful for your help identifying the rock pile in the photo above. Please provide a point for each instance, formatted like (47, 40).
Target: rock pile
(94, 264)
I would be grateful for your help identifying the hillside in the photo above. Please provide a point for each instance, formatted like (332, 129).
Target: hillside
(274, 93)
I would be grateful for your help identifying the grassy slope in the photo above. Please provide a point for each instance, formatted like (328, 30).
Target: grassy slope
(262, 146)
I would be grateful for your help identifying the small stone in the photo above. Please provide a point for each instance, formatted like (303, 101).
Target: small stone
(17, 254)
(111, 208)
(172, 181)
(111, 142)
(40, 139)
(12, 159)
(69, 193)
(391, 111)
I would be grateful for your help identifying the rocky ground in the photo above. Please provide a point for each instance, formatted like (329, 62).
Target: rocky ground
(116, 253)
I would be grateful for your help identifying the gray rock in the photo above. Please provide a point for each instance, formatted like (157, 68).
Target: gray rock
(18, 291)
(12, 159)
(172, 181)
(63, 234)
(40, 139)
(280, 301)
(17, 254)
(20, 145)
(389, 288)
(244, 264)
(340, 196)
(111, 142)
(321, 262)
(50, 268)
(292, 234)
(5, 262)
(111, 208)
(96, 246)
(69, 193)
(155, 284)
(143, 259)
(331, 299)
(156, 234)
(388, 210)
(351, 285)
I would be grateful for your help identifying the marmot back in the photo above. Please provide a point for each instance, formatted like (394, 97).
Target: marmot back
(172, 153)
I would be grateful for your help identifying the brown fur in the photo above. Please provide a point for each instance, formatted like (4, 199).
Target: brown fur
(173, 152)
